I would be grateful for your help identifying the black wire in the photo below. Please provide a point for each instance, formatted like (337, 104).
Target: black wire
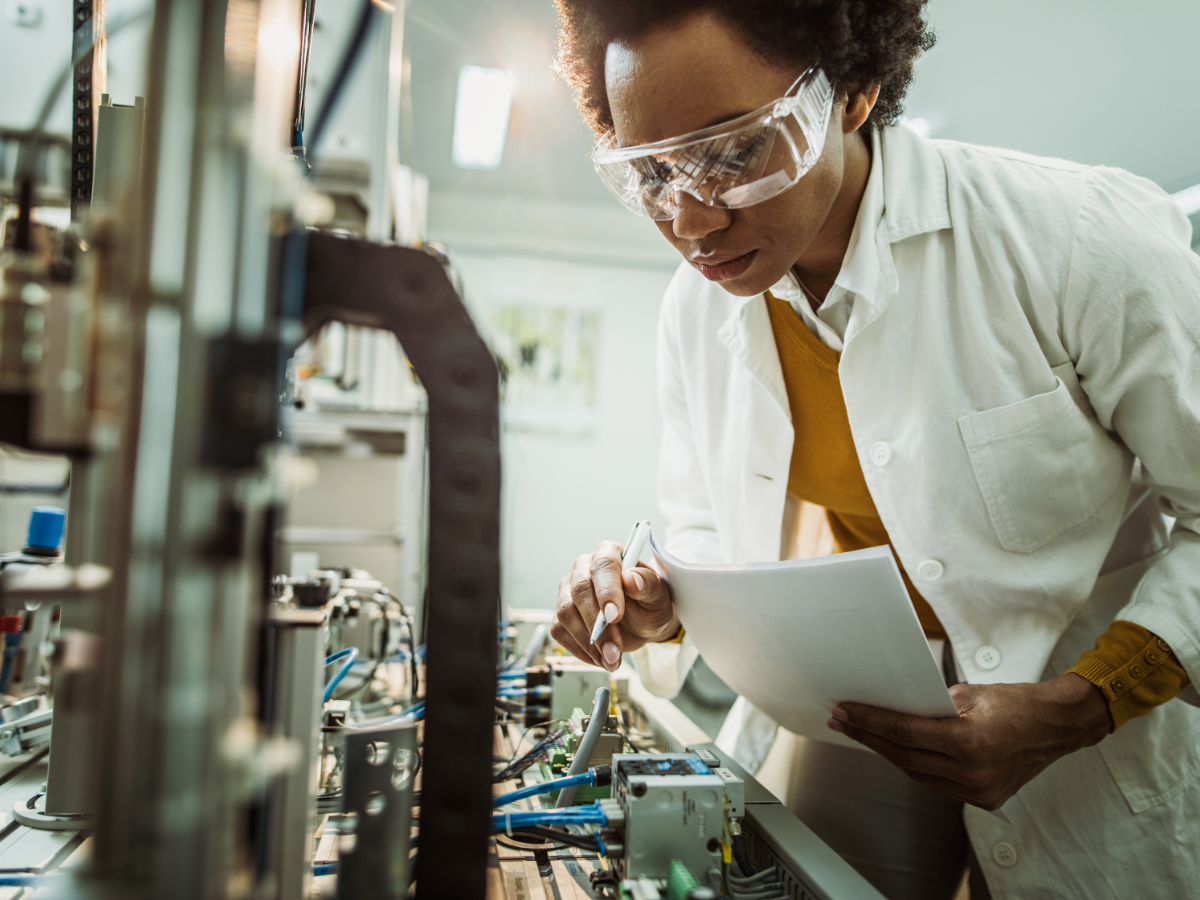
(544, 832)
(307, 20)
(345, 67)
(362, 684)
(515, 768)
(742, 857)
(412, 655)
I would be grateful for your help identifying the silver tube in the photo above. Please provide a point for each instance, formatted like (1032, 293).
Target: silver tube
(536, 642)
(583, 753)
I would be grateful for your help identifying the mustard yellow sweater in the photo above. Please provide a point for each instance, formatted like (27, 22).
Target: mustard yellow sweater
(1134, 669)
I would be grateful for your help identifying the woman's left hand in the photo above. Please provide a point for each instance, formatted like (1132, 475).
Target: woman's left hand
(1005, 734)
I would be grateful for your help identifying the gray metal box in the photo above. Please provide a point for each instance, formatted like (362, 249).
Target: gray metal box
(673, 810)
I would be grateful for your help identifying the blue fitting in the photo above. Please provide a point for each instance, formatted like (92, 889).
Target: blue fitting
(46, 527)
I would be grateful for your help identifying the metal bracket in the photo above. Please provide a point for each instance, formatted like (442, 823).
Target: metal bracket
(377, 793)
(26, 733)
(407, 292)
(53, 584)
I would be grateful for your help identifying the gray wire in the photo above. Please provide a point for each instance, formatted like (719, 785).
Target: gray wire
(587, 744)
(764, 885)
(752, 879)
(535, 646)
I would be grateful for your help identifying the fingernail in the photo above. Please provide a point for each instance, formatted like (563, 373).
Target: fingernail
(611, 654)
(840, 714)
(639, 581)
(610, 613)
(835, 725)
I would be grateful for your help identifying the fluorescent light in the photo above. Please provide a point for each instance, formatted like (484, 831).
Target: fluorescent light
(1188, 200)
(481, 117)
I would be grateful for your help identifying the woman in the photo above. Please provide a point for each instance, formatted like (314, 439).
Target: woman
(984, 359)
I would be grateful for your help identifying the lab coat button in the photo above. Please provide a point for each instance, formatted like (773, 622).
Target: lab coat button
(1005, 854)
(987, 657)
(930, 570)
(880, 453)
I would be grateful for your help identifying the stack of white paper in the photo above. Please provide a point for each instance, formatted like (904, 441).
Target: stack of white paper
(796, 638)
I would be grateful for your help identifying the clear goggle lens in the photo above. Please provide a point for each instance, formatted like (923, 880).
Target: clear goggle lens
(735, 164)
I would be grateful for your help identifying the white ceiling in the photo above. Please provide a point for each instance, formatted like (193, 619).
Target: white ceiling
(1106, 82)
(1098, 81)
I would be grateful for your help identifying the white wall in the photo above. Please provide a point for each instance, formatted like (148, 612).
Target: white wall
(32, 57)
(564, 493)
(1104, 82)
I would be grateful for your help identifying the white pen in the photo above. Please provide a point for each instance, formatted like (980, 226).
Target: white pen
(629, 558)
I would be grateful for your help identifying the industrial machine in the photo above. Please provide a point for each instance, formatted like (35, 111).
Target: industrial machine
(237, 676)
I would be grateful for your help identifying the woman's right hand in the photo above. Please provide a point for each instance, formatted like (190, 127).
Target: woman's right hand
(637, 605)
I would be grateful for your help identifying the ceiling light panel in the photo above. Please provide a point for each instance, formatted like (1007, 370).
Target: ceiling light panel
(481, 117)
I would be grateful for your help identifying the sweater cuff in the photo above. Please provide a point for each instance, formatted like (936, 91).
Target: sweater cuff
(678, 639)
(1134, 669)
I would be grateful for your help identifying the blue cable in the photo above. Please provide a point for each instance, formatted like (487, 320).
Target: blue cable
(545, 787)
(512, 674)
(417, 711)
(421, 653)
(570, 815)
(350, 654)
(20, 880)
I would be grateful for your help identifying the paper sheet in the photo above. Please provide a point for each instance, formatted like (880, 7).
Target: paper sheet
(796, 638)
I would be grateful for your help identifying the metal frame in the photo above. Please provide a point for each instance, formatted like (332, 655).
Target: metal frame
(87, 84)
(291, 709)
(407, 292)
(380, 765)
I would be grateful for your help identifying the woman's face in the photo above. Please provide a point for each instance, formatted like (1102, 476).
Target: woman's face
(698, 72)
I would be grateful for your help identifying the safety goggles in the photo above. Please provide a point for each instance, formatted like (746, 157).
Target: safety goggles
(733, 165)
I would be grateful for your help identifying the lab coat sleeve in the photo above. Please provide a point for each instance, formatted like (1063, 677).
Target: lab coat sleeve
(683, 496)
(691, 532)
(1131, 323)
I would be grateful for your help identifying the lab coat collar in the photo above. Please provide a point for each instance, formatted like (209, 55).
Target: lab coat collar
(915, 200)
(906, 190)
(748, 335)
(859, 274)
(916, 195)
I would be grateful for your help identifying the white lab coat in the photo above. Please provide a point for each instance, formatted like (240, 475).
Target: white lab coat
(1022, 377)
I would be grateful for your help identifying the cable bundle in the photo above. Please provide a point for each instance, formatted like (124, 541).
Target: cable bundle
(538, 833)
(764, 885)
(517, 767)
(595, 776)
(592, 814)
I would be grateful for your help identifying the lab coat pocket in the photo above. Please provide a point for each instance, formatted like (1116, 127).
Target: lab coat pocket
(1154, 757)
(1043, 466)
